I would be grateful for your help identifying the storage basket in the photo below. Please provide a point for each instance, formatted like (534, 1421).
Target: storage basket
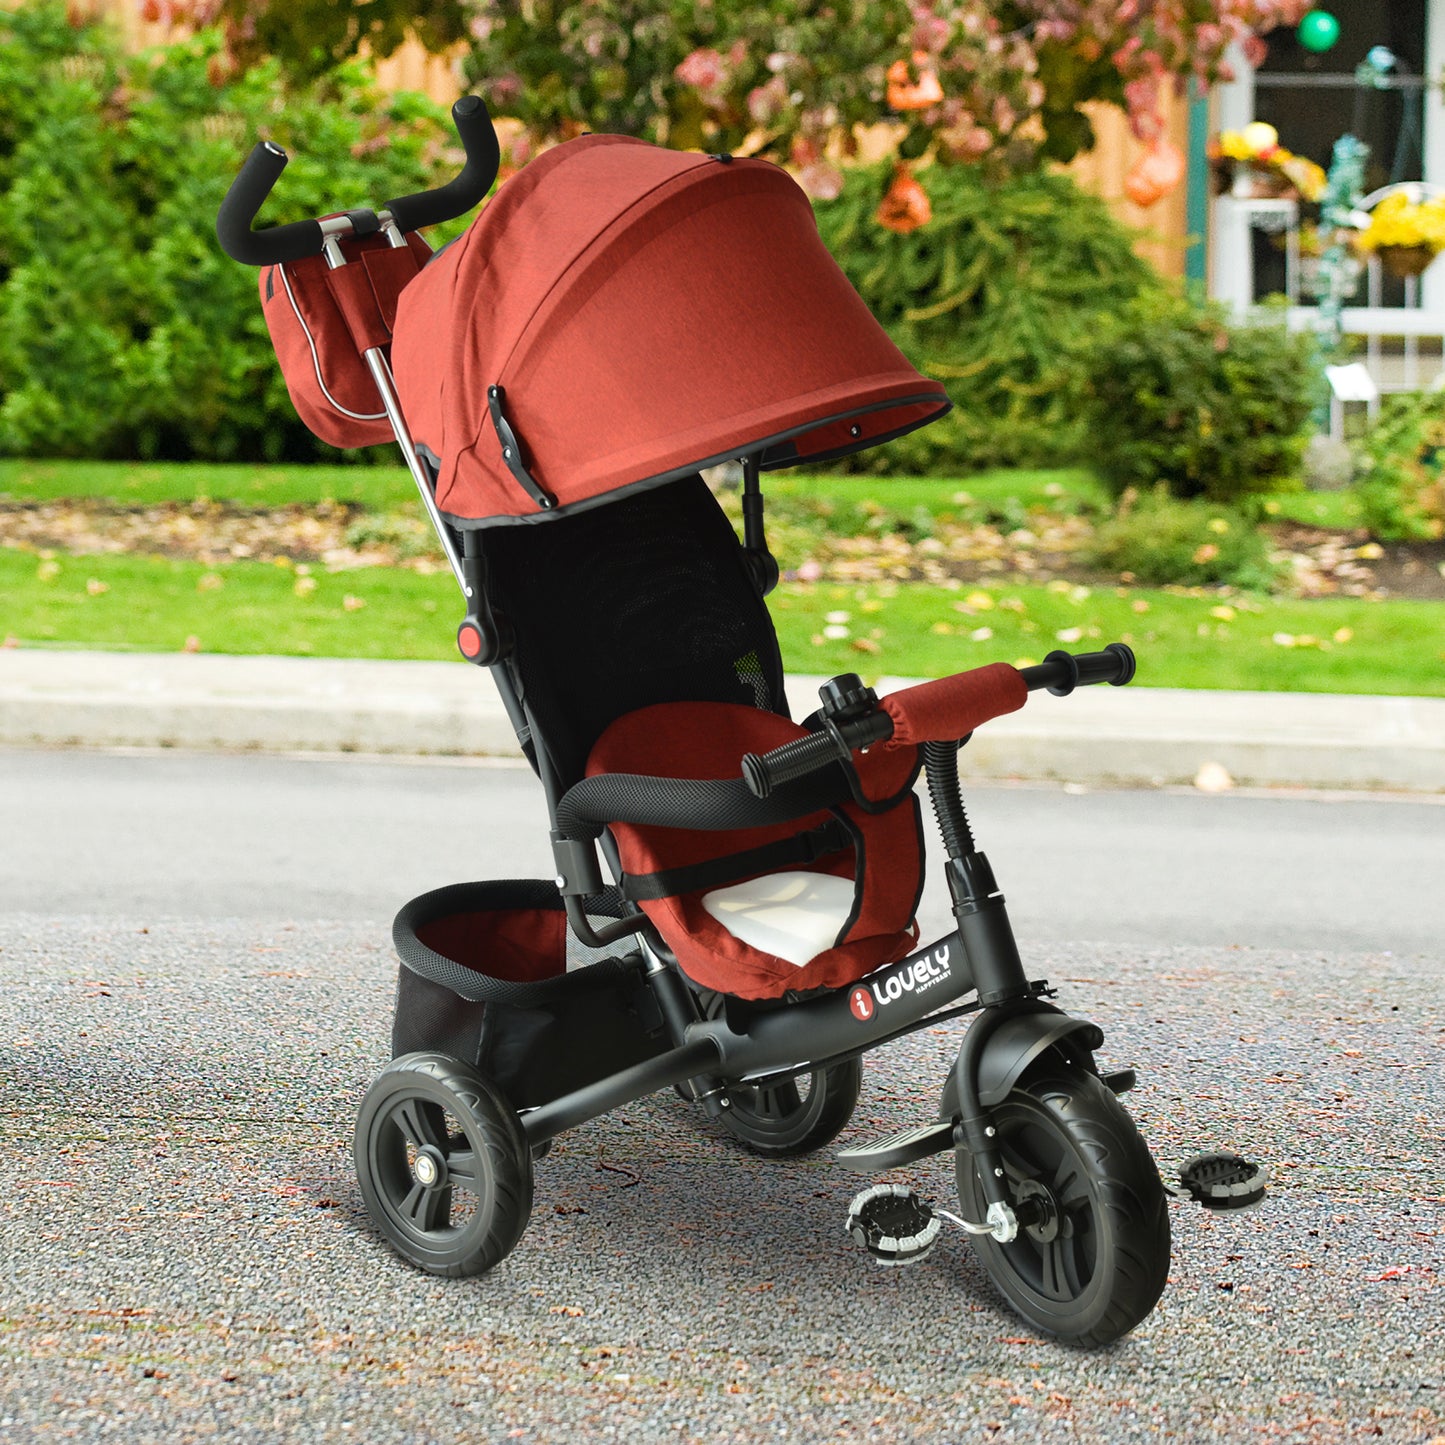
(490, 974)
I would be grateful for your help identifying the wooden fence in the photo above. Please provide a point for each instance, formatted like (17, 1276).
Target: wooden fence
(1102, 170)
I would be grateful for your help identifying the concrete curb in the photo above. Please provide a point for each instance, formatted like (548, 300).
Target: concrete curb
(1141, 736)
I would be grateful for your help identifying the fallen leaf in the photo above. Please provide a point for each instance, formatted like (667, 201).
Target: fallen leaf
(1213, 778)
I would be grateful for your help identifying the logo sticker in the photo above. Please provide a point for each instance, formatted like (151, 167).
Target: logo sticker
(922, 974)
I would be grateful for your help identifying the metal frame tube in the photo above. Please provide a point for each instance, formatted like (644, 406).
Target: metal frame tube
(380, 369)
(675, 1067)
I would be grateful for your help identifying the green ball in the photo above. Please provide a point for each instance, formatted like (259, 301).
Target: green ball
(1318, 31)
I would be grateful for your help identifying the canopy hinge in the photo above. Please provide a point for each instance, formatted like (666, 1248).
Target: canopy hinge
(512, 451)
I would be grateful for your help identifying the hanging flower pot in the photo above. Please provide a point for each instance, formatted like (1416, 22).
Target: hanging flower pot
(1402, 262)
(1157, 172)
(906, 206)
(904, 93)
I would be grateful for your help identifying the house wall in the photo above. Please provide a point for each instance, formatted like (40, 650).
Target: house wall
(1102, 170)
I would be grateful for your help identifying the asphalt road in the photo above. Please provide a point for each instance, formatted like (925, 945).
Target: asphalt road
(195, 986)
(255, 836)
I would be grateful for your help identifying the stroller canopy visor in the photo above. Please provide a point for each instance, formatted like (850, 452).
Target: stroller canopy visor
(644, 312)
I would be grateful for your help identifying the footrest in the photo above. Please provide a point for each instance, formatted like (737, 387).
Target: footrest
(898, 1149)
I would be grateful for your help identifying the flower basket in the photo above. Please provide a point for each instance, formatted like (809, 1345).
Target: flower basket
(1260, 183)
(1402, 262)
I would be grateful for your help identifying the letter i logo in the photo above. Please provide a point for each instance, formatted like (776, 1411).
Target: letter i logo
(861, 1005)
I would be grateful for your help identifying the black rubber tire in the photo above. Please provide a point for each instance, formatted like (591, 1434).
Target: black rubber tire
(1094, 1272)
(488, 1161)
(781, 1121)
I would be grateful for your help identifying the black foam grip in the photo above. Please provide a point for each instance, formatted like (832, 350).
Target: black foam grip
(766, 771)
(709, 805)
(457, 197)
(245, 198)
(1061, 672)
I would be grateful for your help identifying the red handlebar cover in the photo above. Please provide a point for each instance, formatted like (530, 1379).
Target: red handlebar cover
(951, 707)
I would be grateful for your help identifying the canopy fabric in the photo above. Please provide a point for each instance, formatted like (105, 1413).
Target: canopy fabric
(644, 312)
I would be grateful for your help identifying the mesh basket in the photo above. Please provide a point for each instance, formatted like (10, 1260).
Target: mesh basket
(491, 974)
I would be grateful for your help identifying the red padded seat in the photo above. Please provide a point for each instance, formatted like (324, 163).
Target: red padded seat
(707, 740)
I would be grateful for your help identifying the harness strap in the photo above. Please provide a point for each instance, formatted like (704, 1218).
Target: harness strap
(830, 837)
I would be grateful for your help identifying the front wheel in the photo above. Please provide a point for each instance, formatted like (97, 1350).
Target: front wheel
(1092, 1253)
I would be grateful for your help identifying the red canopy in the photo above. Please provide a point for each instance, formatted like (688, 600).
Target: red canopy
(644, 312)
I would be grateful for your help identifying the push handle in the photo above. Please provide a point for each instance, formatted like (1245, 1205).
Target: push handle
(1062, 672)
(293, 242)
(457, 197)
(765, 771)
(245, 198)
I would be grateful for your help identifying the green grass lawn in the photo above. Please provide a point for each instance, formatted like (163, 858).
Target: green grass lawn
(136, 484)
(914, 629)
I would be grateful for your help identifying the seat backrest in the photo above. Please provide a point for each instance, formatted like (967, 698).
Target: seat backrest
(643, 599)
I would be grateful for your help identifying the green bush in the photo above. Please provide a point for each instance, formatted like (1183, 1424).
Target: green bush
(1162, 540)
(1176, 394)
(123, 329)
(1402, 469)
(999, 297)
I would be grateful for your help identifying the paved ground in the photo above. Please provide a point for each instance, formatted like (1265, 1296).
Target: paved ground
(158, 832)
(184, 1256)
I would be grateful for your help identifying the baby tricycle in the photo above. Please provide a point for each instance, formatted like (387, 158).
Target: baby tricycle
(618, 319)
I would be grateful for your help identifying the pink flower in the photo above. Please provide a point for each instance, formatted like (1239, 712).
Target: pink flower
(821, 182)
(766, 101)
(702, 69)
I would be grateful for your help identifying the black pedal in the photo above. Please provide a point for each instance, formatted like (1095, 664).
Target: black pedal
(1223, 1181)
(1120, 1081)
(893, 1224)
(898, 1149)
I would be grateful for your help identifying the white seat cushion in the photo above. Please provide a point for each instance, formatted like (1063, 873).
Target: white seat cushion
(795, 916)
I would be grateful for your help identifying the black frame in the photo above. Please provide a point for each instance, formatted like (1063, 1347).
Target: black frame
(761, 1045)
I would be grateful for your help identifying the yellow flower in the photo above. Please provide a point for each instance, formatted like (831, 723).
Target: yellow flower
(1398, 221)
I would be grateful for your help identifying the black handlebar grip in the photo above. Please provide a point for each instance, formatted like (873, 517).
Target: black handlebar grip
(766, 771)
(457, 197)
(247, 195)
(1062, 672)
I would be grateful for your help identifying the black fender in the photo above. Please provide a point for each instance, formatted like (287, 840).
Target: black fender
(1009, 1047)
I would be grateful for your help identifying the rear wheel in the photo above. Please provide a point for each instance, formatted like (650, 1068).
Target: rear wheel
(795, 1116)
(1092, 1252)
(443, 1164)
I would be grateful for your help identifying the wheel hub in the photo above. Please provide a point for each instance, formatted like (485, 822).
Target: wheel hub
(1038, 1212)
(429, 1168)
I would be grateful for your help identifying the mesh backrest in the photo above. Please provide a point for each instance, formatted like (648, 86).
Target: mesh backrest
(642, 600)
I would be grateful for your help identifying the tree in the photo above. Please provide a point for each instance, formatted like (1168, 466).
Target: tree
(999, 85)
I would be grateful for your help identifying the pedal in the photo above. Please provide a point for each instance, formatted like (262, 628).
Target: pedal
(898, 1149)
(893, 1224)
(1120, 1081)
(1223, 1181)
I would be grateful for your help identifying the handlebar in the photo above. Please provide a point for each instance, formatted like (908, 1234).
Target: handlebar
(479, 139)
(765, 771)
(1060, 672)
(300, 239)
